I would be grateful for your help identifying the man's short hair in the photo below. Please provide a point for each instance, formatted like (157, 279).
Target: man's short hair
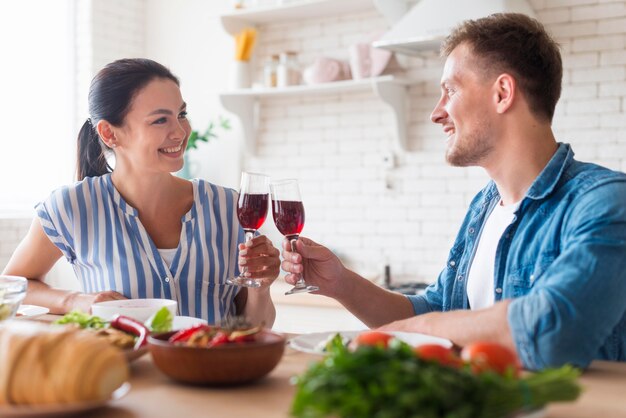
(519, 45)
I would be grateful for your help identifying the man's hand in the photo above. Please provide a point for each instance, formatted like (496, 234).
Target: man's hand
(319, 265)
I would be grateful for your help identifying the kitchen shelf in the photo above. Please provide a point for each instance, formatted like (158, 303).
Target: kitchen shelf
(234, 22)
(391, 90)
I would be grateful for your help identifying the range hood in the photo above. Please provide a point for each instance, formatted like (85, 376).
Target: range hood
(430, 21)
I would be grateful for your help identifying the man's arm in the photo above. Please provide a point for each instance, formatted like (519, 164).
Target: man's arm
(462, 327)
(370, 303)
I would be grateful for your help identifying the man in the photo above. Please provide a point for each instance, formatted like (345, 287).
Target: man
(539, 263)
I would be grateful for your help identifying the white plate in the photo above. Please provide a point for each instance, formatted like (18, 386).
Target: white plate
(310, 343)
(39, 411)
(32, 310)
(182, 322)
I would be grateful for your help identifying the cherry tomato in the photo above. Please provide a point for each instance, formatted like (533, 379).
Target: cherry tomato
(373, 338)
(484, 356)
(435, 352)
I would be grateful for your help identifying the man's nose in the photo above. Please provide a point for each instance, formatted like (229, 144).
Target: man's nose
(439, 112)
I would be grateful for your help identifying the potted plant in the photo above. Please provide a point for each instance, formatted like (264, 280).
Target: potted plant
(196, 137)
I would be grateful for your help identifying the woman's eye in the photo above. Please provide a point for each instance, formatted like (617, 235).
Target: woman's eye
(160, 121)
(449, 91)
(182, 115)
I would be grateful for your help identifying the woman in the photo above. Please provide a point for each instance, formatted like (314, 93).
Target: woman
(138, 231)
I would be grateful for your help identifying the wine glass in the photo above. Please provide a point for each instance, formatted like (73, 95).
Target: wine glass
(288, 212)
(251, 211)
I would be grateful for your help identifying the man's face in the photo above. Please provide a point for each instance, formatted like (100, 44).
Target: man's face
(464, 110)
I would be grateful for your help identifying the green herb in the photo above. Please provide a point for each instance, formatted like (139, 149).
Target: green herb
(385, 383)
(82, 319)
(195, 137)
(161, 320)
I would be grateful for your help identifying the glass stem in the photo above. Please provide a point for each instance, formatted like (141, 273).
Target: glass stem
(249, 235)
(300, 283)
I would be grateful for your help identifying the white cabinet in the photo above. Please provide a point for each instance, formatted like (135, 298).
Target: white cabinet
(245, 102)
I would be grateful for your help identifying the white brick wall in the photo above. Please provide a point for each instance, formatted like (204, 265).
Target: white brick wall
(334, 144)
(12, 230)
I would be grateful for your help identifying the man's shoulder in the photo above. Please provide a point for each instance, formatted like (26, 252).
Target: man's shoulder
(583, 177)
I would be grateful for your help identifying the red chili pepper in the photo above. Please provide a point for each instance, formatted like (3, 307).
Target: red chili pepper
(219, 339)
(131, 326)
(184, 334)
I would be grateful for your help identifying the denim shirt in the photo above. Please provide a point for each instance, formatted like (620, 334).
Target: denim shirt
(562, 261)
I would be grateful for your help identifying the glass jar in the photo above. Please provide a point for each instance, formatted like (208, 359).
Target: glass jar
(288, 72)
(269, 71)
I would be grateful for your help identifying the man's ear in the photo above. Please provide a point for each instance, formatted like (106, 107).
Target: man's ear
(505, 90)
(106, 132)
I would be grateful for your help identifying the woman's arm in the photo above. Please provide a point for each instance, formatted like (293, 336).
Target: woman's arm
(33, 259)
(258, 306)
(262, 261)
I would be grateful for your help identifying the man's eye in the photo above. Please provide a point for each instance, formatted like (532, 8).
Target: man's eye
(160, 121)
(182, 115)
(449, 91)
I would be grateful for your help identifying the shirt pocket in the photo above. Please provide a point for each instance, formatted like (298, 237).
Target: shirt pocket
(521, 281)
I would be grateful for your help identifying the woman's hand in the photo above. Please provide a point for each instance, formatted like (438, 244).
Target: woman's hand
(320, 266)
(261, 259)
(83, 301)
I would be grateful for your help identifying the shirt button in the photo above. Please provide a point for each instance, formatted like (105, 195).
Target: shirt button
(471, 230)
(460, 278)
(167, 280)
(452, 263)
(532, 277)
(499, 290)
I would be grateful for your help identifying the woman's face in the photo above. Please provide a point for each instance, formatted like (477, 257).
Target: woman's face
(155, 131)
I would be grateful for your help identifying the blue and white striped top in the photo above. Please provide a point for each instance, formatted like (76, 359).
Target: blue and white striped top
(102, 237)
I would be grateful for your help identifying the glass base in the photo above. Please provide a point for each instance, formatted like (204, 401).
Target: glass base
(302, 289)
(244, 281)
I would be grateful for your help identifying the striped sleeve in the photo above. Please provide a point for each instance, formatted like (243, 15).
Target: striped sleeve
(56, 219)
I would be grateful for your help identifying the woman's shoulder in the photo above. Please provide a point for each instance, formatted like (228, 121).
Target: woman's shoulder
(211, 191)
(84, 188)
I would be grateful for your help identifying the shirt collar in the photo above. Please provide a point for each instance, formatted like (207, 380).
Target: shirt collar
(547, 180)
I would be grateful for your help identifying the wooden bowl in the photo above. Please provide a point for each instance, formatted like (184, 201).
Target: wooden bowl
(228, 364)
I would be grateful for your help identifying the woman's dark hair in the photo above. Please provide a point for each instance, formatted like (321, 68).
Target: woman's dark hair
(515, 43)
(110, 96)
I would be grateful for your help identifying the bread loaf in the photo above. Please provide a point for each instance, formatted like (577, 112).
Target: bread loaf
(42, 364)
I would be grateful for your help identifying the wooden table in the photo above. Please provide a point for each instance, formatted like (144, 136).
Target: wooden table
(154, 395)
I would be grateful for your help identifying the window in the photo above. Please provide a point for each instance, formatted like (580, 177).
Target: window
(37, 132)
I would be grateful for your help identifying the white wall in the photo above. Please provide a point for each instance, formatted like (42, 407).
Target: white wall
(333, 144)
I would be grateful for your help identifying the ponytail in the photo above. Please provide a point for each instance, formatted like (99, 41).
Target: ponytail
(91, 161)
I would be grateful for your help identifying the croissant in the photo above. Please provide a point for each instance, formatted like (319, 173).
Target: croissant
(40, 364)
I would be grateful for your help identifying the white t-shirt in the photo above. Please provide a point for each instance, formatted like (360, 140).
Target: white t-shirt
(168, 255)
(480, 281)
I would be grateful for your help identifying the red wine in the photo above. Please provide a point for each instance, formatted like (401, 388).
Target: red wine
(288, 216)
(252, 210)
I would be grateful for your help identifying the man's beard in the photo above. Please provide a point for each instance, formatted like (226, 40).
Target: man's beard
(469, 150)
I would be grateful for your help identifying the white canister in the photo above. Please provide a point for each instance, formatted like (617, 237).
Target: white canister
(241, 77)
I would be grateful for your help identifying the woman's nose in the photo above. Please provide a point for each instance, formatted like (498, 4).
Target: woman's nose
(180, 132)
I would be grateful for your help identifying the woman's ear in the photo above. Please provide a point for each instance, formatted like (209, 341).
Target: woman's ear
(505, 89)
(107, 134)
